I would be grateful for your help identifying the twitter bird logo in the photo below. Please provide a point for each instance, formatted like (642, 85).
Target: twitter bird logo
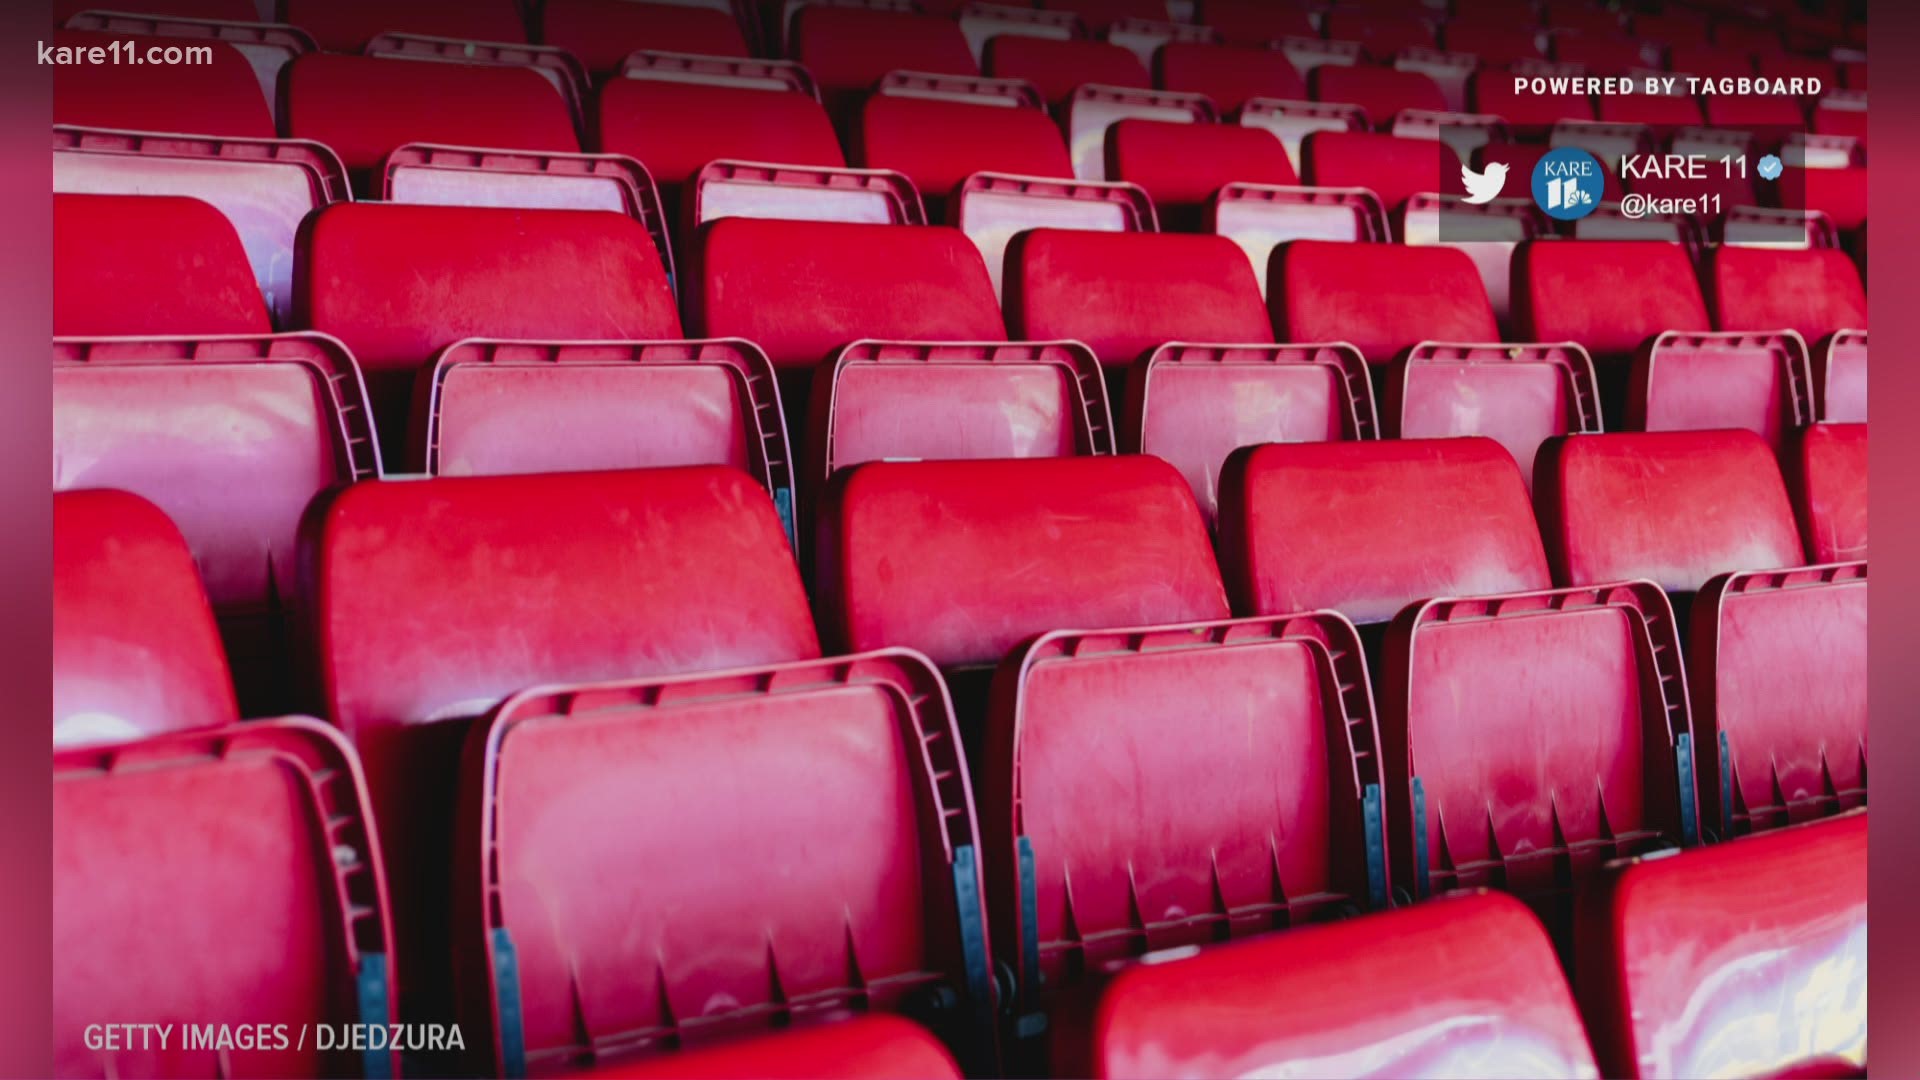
(1484, 187)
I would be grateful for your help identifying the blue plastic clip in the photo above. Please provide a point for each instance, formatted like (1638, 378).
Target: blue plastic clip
(1726, 788)
(1373, 821)
(506, 982)
(1683, 754)
(973, 931)
(1029, 919)
(783, 505)
(1420, 839)
(375, 993)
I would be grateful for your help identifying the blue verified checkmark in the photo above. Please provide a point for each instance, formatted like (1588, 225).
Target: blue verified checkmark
(1769, 168)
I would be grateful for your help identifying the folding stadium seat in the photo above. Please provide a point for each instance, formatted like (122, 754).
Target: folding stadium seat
(1529, 115)
(150, 264)
(1840, 194)
(567, 967)
(874, 1047)
(1230, 75)
(217, 98)
(1383, 92)
(1697, 382)
(1601, 54)
(849, 49)
(1255, 22)
(1392, 167)
(268, 47)
(1183, 317)
(366, 107)
(225, 876)
(1184, 167)
(1610, 296)
(984, 22)
(993, 208)
(1729, 111)
(1382, 298)
(1496, 44)
(939, 144)
(135, 650)
(1383, 36)
(1261, 813)
(1826, 471)
(519, 582)
(1465, 985)
(1478, 662)
(1058, 68)
(1662, 113)
(230, 10)
(399, 283)
(1670, 25)
(1577, 15)
(1816, 293)
(603, 33)
(1776, 656)
(1746, 957)
(1100, 15)
(915, 554)
(263, 186)
(346, 26)
(1853, 74)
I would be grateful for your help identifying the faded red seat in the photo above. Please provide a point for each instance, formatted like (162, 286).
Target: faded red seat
(1465, 984)
(1381, 298)
(850, 49)
(876, 1047)
(1813, 292)
(1185, 165)
(135, 650)
(602, 33)
(1383, 92)
(938, 144)
(345, 26)
(219, 97)
(1392, 167)
(1826, 472)
(1230, 75)
(150, 264)
(1747, 956)
(1058, 68)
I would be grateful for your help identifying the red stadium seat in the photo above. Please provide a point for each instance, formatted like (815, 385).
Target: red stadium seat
(265, 187)
(135, 650)
(1610, 296)
(230, 10)
(345, 26)
(363, 107)
(1814, 292)
(993, 208)
(268, 47)
(219, 879)
(1699, 382)
(1182, 166)
(1841, 115)
(419, 627)
(1840, 377)
(850, 49)
(1601, 54)
(801, 290)
(1674, 507)
(1709, 61)
(399, 283)
(1255, 22)
(1099, 15)
(1496, 44)
(875, 1047)
(1058, 68)
(1383, 92)
(915, 554)
(146, 264)
(1263, 813)
(221, 97)
(938, 144)
(1230, 75)
(1748, 957)
(562, 785)
(1754, 113)
(1194, 405)
(133, 413)
(1840, 194)
(1261, 217)
(1465, 985)
(1528, 114)
(1381, 298)
(602, 33)
(1661, 112)
(1826, 472)
(1126, 294)
(1777, 662)
(1518, 395)
(1383, 36)
(1392, 167)
(1366, 528)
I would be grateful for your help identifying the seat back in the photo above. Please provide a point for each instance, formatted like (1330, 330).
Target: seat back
(1765, 937)
(135, 414)
(1383, 92)
(561, 784)
(1518, 395)
(676, 128)
(219, 97)
(1094, 108)
(1058, 68)
(399, 283)
(1230, 75)
(1777, 662)
(849, 49)
(365, 106)
(225, 877)
(1611, 296)
(1675, 507)
(433, 600)
(802, 289)
(1126, 294)
(150, 264)
(1255, 22)
(265, 187)
(1826, 473)
(1380, 298)
(874, 1047)
(938, 144)
(1391, 166)
(603, 33)
(1491, 92)
(1393, 991)
(1244, 754)
(916, 554)
(993, 208)
(1366, 528)
(135, 651)
(1815, 291)
(346, 26)
(1184, 165)
(1528, 738)
(1697, 382)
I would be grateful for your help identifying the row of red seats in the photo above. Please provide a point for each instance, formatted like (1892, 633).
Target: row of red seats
(416, 600)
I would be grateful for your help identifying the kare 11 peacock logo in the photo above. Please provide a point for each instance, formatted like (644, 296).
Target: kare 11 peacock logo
(1568, 183)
